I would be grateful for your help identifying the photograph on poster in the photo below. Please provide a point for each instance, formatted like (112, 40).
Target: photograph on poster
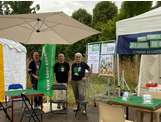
(106, 65)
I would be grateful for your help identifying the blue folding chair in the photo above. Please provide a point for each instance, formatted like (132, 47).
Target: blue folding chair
(16, 87)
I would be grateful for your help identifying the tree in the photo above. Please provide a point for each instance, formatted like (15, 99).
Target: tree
(108, 30)
(1, 5)
(19, 7)
(82, 16)
(133, 8)
(104, 11)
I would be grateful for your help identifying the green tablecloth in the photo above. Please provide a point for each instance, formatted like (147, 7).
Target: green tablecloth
(136, 101)
(16, 93)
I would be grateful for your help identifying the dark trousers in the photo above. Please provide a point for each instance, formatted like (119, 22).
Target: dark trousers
(37, 99)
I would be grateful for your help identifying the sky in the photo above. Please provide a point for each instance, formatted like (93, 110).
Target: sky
(67, 7)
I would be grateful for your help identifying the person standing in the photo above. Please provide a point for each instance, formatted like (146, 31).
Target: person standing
(61, 70)
(33, 71)
(78, 78)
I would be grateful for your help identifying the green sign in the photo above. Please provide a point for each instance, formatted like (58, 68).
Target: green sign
(46, 74)
(150, 41)
(139, 45)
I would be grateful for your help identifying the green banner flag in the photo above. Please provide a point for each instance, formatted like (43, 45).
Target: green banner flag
(46, 74)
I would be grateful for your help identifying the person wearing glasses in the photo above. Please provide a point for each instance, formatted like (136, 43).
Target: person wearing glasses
(78, 78)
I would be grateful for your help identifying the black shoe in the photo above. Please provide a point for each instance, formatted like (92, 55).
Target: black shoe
(64, 108)
(58, 106)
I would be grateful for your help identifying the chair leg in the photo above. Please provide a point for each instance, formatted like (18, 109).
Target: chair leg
(157, 117)
(22, 104)
(29, 119)
(5, 111)
(50, 105)
(34, 117)
(22, 116)
(41, 117)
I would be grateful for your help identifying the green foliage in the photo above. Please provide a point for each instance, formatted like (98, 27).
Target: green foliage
(1, 5)
(82, 16)
(133, 8)
(108, 30)
(104, 11)
(31, 48)
(19, 7)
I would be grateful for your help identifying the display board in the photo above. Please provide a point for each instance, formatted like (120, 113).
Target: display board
(93, 57)
(101, 58)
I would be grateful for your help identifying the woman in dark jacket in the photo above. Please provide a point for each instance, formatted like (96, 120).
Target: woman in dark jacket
(33, 71)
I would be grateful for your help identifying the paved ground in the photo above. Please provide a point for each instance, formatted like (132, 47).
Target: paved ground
(52, 117)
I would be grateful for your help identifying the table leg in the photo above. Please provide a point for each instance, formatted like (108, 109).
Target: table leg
(141, 116)
(151, 117)
(127, 113)
(12, 111)
(42, 103)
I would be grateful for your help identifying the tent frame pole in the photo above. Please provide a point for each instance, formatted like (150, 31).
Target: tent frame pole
(118, 75)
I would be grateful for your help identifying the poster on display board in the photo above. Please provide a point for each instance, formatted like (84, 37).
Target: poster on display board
(101, 57)
(93, 57)
(108, 49)
(106, 66)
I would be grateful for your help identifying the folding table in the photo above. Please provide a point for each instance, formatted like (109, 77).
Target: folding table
(137, 102)
(17, 94)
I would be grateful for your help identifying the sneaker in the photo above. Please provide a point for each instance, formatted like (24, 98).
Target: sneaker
(84, 112)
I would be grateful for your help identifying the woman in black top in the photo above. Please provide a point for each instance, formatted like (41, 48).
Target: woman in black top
(33, 71)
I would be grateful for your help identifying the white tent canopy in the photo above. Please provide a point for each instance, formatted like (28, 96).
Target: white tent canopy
(147, 22)
(144, 23)
(14, 58)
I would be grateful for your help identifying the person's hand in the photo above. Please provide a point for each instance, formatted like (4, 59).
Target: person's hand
(36, 77)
